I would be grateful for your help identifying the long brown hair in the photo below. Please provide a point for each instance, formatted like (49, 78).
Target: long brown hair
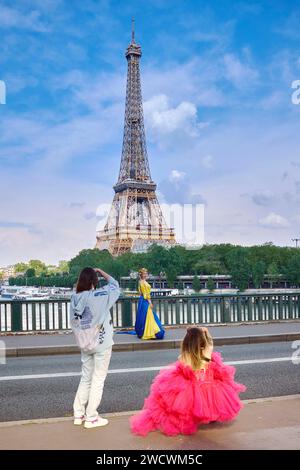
(87, 280)
(193, 344)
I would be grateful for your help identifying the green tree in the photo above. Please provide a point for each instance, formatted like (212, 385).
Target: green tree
(273, 272)
(30, 273)
(208, 267)
(196, 283)
(210, 285)
(292, 270)
(38, 266)
(11, 281)
(273, 269)
(21, 267)
(210, 259)
(93, 258)
(171, 275)
(239, 267)
(51, 269)
(258, 272)
(157, 259)
(241, 262)
(63, 266)
(179, 259)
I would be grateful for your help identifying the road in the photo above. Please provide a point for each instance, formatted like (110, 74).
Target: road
(42, 387)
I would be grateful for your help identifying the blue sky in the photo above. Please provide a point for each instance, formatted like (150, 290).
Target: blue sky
(220, 123)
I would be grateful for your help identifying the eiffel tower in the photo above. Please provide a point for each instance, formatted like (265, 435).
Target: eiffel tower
(135, 220)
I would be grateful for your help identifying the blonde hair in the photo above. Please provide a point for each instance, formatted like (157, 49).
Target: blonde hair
(195, 341)
(143, 271)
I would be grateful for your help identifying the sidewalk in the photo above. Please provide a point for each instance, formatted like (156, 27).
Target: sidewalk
(269, 423)
(47, 343)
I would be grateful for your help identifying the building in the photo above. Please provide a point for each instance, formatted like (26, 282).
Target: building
(220, 281)
(8, 271)
(135, 220)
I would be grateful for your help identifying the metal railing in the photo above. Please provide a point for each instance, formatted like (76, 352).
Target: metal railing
(47, 315)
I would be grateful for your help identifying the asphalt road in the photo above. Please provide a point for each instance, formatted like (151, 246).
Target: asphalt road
(24, 397)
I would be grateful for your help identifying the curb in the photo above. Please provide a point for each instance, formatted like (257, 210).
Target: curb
(150, 345)
(120, 414)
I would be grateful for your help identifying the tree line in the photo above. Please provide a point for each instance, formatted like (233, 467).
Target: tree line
(244, 264)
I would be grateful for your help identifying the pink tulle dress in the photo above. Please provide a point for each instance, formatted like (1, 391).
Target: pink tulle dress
(181, 399)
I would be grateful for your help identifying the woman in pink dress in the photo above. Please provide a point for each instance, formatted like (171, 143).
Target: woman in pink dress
(197, 389)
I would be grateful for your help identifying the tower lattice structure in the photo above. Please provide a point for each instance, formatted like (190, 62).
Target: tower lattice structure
(135, 219)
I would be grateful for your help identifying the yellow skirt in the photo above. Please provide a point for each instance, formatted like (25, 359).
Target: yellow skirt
(151, 327)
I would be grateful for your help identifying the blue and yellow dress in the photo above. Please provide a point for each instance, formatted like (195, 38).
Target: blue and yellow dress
(147, 325)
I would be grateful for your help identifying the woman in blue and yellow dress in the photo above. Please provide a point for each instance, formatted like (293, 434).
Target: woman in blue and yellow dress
(147, 325)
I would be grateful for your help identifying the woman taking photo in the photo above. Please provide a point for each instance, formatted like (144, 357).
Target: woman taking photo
(93, 329)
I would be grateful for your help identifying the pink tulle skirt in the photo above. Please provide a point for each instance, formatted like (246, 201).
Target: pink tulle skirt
(180, 400)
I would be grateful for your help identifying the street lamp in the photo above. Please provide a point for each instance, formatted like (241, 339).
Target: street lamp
(296, 240)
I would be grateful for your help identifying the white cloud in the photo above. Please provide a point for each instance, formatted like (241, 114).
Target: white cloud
(49, 145)
(176, 175)
(177, 189)
(274, 220)
(68, 230)
(51, 226)
(165, 120)
(250, 150)
(239, 73)
(90, 90)
(10, 18)
(196, 81)
(17, 83)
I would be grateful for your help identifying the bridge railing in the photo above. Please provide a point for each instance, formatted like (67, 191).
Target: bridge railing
(47, 315)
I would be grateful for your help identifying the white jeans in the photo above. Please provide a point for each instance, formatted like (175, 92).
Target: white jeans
(89, 393)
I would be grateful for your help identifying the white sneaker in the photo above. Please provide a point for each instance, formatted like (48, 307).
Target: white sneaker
(96, 423)
(78, 420)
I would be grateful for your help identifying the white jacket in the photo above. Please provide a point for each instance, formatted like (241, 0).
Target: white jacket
(92, 307)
